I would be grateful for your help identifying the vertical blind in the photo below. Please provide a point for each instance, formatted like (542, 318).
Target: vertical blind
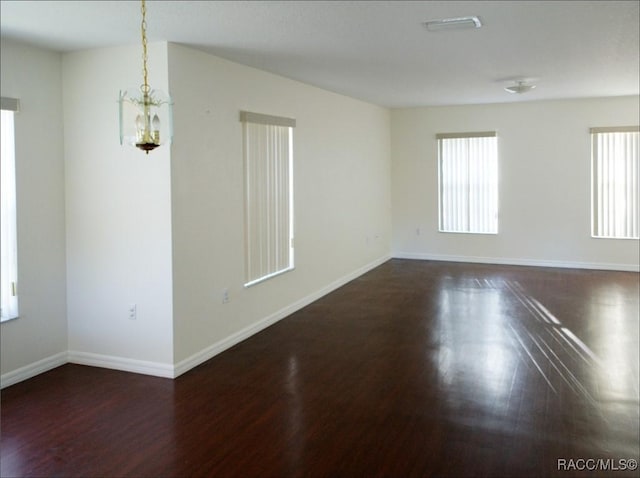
(468, 182)
(9, 245)
(268, 195)
(614, 188)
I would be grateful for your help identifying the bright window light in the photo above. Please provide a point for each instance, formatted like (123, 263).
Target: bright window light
(468, 182)
(9, 246)
(614, 183)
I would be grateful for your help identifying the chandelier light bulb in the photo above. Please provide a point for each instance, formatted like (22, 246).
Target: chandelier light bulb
(155, 123)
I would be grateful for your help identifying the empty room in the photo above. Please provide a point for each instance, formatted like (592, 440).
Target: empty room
(320, 238)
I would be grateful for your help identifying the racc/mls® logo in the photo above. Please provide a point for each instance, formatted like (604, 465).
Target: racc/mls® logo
(597, 464)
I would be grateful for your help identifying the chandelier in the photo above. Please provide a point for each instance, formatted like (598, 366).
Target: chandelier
(145, 113)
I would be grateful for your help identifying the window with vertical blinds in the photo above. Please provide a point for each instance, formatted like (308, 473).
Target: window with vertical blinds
(268, 161)
(8, 241)
(468, 182)
(614, 182)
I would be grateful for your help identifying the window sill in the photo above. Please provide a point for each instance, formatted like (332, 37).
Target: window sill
(267, 277)
(8, 319)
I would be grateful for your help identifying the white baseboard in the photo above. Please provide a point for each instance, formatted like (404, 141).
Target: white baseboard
(519, 262)
(33, 369)
(172, 371)
(228, 342)
(120, 363)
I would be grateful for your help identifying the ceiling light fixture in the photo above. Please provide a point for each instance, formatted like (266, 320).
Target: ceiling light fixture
(141, 109)
(458, 23)
(519, 88)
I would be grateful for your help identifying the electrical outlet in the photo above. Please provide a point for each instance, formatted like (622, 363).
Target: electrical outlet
(133, 312)
(225, 295)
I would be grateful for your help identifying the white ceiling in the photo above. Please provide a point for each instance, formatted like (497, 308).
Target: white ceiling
(378, 51)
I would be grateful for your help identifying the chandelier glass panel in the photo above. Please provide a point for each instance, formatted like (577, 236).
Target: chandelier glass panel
(145, 113)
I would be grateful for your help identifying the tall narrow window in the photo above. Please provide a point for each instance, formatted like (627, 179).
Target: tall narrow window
(468, 182)
(268, 161)
(614, 182)
(9, 246)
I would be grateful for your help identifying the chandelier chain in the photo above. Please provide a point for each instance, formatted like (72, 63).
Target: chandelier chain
(143, 27)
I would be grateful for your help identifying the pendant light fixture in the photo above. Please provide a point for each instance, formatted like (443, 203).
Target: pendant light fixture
(145, 113)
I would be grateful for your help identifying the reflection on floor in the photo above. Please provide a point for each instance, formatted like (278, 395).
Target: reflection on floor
(416, 368)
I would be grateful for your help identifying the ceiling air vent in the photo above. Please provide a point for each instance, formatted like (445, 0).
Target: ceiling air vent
(458, 23)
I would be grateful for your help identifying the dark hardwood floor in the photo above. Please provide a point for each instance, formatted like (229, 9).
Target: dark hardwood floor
(416, 368)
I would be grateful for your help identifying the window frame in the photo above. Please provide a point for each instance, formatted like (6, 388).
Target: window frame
(269, 227)
(597, 165)
(9, 254)
(440, 139)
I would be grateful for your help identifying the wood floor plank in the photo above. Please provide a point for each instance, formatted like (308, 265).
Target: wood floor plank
(416, 368)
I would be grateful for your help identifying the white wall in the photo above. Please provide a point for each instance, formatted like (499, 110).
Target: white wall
(107, 210)
(544, 162)
(38, 339)
(118, 209)
(342, 197)
(165, 231)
